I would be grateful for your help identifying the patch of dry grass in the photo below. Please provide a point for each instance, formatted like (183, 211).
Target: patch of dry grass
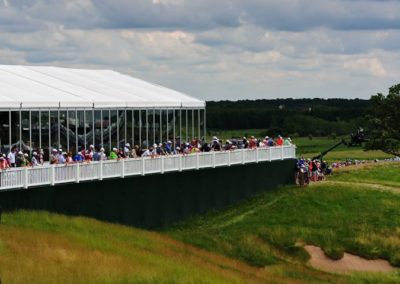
(82, 250)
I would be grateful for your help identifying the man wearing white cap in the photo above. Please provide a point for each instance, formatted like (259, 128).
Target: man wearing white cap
(90, 152)
(127, 150)
(53, 157)
(34, 161)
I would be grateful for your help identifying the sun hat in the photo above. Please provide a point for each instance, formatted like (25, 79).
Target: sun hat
(115, 149)
(127, 145)
(101, 149)
(34, 154)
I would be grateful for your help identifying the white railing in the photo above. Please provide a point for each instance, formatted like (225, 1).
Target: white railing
(55, 174)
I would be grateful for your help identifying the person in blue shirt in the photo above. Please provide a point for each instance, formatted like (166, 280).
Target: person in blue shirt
(78, 157)
(271, 142)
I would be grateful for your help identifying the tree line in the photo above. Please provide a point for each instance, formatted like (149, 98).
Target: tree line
(289, 117)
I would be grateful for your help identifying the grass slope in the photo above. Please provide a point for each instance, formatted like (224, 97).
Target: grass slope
(351, 216)
(39, 247)
(256, 241)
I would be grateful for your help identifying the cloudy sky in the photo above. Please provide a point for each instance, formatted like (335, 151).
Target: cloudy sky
(215, 49)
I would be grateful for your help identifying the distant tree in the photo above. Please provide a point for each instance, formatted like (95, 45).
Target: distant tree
(384, 122)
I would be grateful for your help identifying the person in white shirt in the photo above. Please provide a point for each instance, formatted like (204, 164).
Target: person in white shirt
(34, 161)
(11, 157)
(127, 150)
(146, 153)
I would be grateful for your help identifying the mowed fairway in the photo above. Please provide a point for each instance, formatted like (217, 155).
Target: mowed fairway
(257, 241)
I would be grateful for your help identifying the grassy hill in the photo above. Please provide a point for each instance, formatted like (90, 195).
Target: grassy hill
(256, 241)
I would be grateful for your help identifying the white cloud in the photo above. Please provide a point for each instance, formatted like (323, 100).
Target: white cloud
(227, 49)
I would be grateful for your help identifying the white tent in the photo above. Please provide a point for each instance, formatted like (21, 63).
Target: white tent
(29, 87)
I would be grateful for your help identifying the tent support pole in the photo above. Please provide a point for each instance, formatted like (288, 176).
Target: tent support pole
(147, 129)
(40, 130)
(173, 133)
(204, 125)
(20, 130)
(93, 126)
(118, 129)
(154, 126)
(167, 125)
(109, 129)
(125, 127)
(101, 129)
(198, 124)
(76, 131)
(49, 134)
(140, 128)
(192, 124)
(161, 140)
(180, 127)
(30, 132)
(187, 127)
(9, 129)
(67, 130)
(84, 129)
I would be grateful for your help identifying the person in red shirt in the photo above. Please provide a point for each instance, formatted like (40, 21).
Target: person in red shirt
(280, 141)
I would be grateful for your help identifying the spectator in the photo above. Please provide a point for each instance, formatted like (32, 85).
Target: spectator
(96, 156)
(53, 157)
(19, 160)
(127, 150)
(240, 143)
(69, 158)
(280, 141)
(114, 154)
(147, 153)
(78, 157)
(288, 141)
(40, 156)
(12, 157)
(121, 154)
(160, 150)
(102, 155)
(91, 151)
(138, 151)
(34, 161)
(271, 142)
(3, 165)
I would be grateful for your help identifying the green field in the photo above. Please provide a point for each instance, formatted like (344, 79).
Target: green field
(312, 147)
(256, 241)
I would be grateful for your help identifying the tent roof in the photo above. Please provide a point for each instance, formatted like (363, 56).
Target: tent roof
(54, 87)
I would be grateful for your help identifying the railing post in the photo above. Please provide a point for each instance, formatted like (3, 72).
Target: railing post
(256, 155)
(243, 156)
(101, 170)
(26, 177)
(282, 152)
(180, 163)
(162, 164)
(143, 167)
(213, 159)
(77, 172)
(197, 161)
(270, 154)
(52, 175)
(123, 168)
(229, 158)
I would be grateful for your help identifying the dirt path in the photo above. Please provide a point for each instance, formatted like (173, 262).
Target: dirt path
(349, 262)
(368, 185)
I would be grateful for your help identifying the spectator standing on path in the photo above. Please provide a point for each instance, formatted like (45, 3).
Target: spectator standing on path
(271, 142)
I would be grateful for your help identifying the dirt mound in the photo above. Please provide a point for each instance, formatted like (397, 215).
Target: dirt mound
(348, 263)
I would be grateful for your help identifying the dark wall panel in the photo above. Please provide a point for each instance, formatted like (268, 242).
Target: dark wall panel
(155, 200)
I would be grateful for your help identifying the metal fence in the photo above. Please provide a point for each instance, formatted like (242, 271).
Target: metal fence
(54, 174)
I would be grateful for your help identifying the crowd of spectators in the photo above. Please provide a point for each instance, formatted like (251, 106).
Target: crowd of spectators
(16, 158)
(316, 170)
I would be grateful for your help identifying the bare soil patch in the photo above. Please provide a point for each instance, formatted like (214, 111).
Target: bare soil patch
(349, 262)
